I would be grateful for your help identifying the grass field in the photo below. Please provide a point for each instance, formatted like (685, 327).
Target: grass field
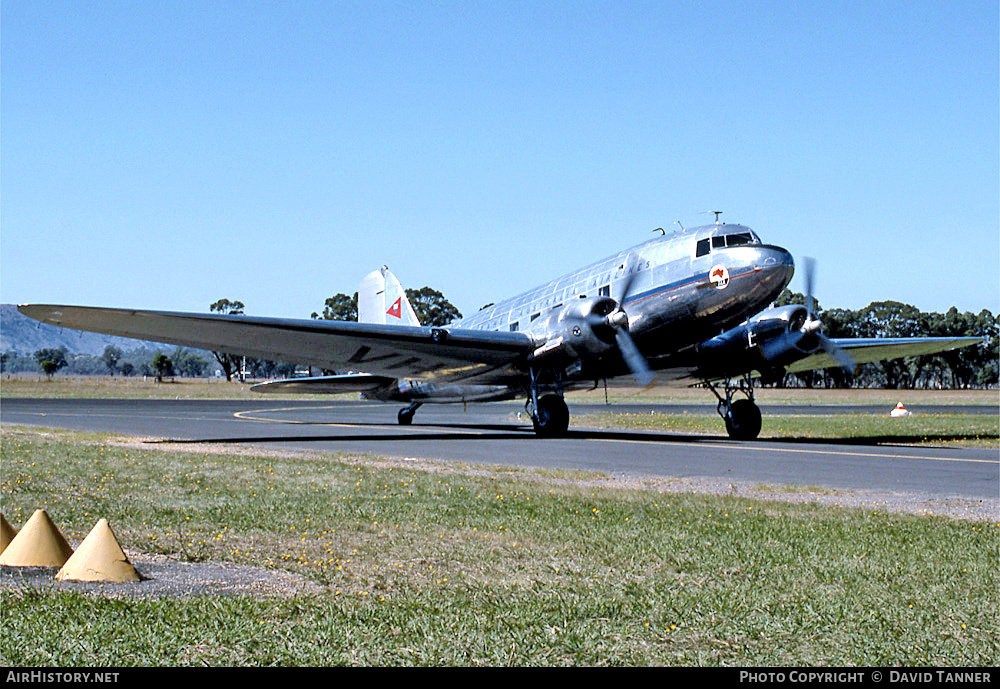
(966, 430)
(36, 385)
(440, 564)
(889, 398)
(135, 387)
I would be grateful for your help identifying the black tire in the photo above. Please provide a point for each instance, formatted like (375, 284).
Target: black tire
(743, 420)
(404, 417)
(551, 418)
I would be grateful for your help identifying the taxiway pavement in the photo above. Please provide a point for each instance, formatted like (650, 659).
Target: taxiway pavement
(493, 434)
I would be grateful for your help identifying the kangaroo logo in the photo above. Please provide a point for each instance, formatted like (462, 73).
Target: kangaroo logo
(719, 276)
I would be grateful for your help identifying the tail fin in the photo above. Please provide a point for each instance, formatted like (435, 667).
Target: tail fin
(381, 299)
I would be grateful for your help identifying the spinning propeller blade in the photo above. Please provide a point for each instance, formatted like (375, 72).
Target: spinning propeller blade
(633, 358)
(828, 345)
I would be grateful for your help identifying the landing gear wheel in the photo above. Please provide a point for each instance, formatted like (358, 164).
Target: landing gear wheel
(743, 420)
(405, 416)
(551, 418)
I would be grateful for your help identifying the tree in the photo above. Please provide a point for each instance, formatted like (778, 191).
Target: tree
(788, 297)
(111, 357)
(228, 362)
(431, 307)
(51, 360)
(187, 363)
(883, 319)
(339, 307)
(163, 367)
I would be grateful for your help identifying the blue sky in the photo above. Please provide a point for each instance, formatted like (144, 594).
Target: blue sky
(165, 155)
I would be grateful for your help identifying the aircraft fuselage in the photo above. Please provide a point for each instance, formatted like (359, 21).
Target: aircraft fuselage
(682, 289)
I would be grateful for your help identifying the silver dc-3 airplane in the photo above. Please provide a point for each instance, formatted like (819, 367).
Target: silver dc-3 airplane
(690, 305)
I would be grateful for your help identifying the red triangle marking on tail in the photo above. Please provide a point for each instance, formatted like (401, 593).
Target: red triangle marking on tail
(396, 309)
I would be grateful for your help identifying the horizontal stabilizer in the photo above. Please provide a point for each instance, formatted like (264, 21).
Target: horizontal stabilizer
(325, 385)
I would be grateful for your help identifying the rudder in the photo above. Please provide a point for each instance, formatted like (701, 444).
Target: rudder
(381, 299)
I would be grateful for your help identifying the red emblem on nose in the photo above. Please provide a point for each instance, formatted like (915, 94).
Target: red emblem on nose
(719, 276)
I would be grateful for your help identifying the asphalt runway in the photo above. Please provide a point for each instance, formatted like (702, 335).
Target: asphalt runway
(493, 434)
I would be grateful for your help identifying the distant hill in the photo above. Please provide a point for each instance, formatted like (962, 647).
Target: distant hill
(21, 334)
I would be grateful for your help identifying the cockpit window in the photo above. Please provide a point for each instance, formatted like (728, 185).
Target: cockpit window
(707, 245)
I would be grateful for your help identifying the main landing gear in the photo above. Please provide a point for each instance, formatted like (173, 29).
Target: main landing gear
(742, 416)
(405, 416)
(550, 416)
(548, 411)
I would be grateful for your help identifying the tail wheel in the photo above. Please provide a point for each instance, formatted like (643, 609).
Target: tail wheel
(551, 418)
(743, 420)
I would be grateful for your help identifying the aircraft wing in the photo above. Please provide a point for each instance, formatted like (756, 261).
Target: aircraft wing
(439, 354)
(867, 350)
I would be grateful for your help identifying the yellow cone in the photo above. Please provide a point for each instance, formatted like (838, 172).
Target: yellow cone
(37, 544)
(99, 558)
(7, 533)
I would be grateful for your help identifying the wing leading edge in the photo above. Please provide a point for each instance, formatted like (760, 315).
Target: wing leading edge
(327, 385)
(439, 354)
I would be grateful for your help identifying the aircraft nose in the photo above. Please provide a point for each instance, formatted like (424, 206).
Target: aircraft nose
(776, 261)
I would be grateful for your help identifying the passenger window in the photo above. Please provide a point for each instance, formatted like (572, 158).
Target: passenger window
(702, 248)
(513, 327)
(605, 291)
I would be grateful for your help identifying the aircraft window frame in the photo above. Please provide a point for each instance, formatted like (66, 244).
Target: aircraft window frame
(703, 247)
(739, 239)
(718, 242)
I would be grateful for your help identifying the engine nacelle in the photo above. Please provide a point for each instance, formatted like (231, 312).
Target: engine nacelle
(767, 343)
(791, 317)
(578, 331)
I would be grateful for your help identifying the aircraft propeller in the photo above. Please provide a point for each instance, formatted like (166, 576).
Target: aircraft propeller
(618, 320)
(814, 326)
